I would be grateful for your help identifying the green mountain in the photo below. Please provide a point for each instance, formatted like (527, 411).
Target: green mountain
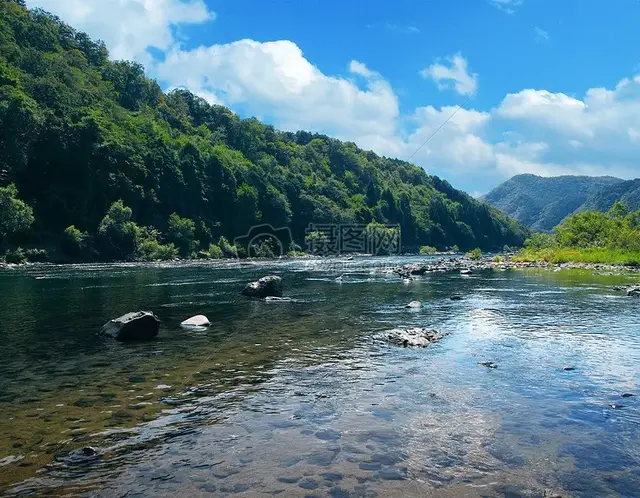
(79, 132)
(624, 191)
(541, 203)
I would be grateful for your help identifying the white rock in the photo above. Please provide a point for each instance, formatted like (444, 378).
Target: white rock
(196, 321)
(275, 299)
(414, 304)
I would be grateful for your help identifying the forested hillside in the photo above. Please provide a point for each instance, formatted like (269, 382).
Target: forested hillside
(79, 132)
(542, 203)
(602, 200)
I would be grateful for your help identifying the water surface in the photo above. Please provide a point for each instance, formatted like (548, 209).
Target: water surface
(303, 399)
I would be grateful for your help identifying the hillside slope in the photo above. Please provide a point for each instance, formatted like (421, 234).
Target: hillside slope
(78, 132)
(541, 203)
(626, 191)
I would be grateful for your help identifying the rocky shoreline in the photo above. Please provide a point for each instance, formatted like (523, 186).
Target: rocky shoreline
(467, 267)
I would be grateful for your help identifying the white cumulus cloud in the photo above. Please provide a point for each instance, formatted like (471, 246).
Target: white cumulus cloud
(456, 75)
(129, 27)
(275, 79)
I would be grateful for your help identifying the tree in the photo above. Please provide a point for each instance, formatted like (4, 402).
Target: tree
(15, 216)
(117, 234)
(181, 232)
(619, 210)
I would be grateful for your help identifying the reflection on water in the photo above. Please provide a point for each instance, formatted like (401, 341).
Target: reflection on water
(301, 399)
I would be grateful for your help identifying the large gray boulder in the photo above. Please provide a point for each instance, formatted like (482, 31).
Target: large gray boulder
(134, 326)
(270, 285)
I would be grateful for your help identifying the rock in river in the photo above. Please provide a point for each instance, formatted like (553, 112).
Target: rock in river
(634, 291)
(415, 337)
(414, 304)
(488, 364)
(196, 321)
(266, 286)
(134, 326)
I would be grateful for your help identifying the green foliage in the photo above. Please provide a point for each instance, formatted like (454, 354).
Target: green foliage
(215, 252)
(540, 241)
(427, 250)
(384, 240)
(15, 216)
(317, 242)
(498, 259)
(151, 250)
(80, 133)
(117, 237)
(16, 256)
(475, 254)
(228, 249)
(264, 249)
(455, 249)
(181, 232)
(590, 237)
(37, 255)
(149, 247)
(75, 243)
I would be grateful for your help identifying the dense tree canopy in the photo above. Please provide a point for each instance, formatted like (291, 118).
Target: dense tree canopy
(616, 230)
(112, 166)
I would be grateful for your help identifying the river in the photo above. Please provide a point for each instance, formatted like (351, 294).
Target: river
(303, 399)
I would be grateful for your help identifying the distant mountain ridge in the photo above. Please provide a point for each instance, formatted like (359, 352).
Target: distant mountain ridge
(541, 203)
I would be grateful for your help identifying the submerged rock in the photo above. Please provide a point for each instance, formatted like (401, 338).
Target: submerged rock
(628, 395)
(414, 269)
(456, 298)
(414, 304)
(88, 451)
(488, 364)
(415, 337)
(270, 285)
(134, 326)
(196, 321)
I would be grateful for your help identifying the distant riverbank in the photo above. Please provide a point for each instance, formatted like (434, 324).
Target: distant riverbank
(579, 256)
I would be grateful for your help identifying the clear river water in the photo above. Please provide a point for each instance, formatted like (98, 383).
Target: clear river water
(302, 398)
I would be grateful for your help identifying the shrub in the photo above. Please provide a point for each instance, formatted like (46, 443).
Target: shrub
(74, 243)
(475, 254)
(16, 256)
(263, 250)
(37, 255)
(150, 249)
(427, 250)
(455, 249)
(228, 249)
(215, 252)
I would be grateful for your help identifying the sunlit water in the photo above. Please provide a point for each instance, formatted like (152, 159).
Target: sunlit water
(302, 399)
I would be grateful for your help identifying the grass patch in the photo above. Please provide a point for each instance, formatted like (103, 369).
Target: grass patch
(577, 255)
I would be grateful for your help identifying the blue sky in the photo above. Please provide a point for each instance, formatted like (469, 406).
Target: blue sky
(549, 87)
